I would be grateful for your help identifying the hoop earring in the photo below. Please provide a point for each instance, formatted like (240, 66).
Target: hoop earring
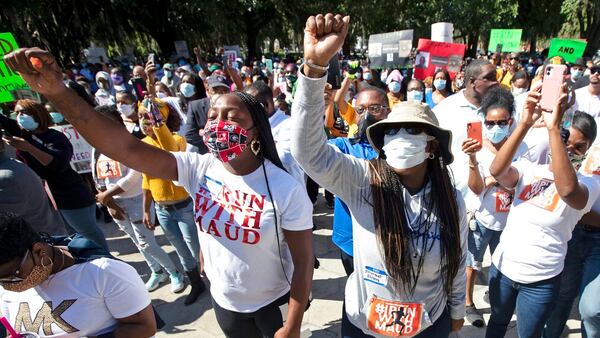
(431, 156)
(42, 261)
(255, 147)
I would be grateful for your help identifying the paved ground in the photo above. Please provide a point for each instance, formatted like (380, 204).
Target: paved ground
(320, 321)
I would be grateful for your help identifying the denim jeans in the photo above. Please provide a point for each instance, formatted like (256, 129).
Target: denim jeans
(83, 222)
(145, 241)
(534, 303)
(478, 242)
(580, 277)
(181, 231)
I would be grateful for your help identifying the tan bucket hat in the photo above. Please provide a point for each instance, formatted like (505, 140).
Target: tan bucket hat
(412, 113)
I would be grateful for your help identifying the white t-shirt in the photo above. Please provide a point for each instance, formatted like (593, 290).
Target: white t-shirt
(280, 126)
(108, 173)
(533, 244)
(453, 113)
(586, 102)
(495, 201)
(536, 139)
(591, 167)
(236, 223)
(82, 300)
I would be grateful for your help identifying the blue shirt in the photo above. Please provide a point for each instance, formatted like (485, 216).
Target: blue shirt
(342, 222)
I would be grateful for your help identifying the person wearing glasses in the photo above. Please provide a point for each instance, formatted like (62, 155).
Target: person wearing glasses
(48, 153)
(490, 218)
(548, 202)
(49, 291)
(510, 66)
(408, 220)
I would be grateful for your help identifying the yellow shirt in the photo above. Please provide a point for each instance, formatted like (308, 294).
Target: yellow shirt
(163, 190)
(392, 100)
(349, 116)
(504, 81)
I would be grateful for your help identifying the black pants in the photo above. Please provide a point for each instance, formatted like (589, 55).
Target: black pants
(262, 323)
(347, 262)
(312, 188)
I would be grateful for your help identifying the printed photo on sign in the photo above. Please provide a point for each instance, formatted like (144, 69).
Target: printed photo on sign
(541, 193)
(394, 319)
(422, 60)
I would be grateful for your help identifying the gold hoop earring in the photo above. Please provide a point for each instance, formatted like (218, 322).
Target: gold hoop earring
(42, 261)
(255, 147)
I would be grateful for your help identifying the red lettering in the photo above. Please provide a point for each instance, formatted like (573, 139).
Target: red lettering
(228, 226)
(258, 200)
(203, 206)
(253, 215)
(247, 236)
(212, 226)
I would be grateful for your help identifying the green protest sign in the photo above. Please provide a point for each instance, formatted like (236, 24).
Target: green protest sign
(509, 40)
(569, 49)
(9, 80)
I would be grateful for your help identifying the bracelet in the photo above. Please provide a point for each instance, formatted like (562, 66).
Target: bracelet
(312, 65)
(473, 165)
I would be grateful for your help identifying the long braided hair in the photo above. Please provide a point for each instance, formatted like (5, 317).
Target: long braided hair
(397, 240)
(261, 122)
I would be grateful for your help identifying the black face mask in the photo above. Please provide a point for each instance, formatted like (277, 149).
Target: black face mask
(367, 121)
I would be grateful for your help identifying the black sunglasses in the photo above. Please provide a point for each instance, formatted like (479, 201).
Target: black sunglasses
(501, 123)
(595, 70)
(416, 130)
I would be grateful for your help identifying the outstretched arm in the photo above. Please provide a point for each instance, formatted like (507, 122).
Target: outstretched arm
(102, 133)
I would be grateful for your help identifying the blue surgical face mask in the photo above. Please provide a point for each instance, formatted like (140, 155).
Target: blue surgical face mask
(428, 90)
(57, 117)
(414, 96)
(187, 89)
(394, 87)
(496, 134)
(168, 74)
(439, 84)
(27, 122)
(576, 74)
(368, 76)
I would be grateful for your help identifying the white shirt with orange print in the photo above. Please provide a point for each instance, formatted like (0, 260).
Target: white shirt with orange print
(533, 244)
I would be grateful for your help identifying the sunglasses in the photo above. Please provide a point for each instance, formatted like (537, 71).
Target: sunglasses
(595, 70)
(373, 109)
(416, 130)
(501, 123)
(14, 277)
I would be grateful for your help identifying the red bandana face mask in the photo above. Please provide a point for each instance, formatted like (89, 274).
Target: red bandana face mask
(224, 140)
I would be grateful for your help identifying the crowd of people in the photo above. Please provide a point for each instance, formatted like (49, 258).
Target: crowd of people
(227, 158)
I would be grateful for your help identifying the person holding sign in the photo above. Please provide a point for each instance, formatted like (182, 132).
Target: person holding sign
(255, 219)
(48, 152)
(410, 249)
(548, 201)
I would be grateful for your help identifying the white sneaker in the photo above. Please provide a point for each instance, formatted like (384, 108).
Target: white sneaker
(177, 282)
(155, 280)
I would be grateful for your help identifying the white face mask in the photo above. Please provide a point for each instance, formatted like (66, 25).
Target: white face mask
(161, 95)
(126, 110)
(518, 91)
(403, 150)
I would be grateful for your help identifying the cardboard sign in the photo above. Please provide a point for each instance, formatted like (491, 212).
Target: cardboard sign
(181, 48)
(432, 55)
(442, 32)
(82, 150)
(569, 49)
(505, 40)
(9, 80)
(96, 55)
(390, 49)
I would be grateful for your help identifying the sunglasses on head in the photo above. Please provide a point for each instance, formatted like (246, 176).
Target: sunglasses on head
(412, 130)
(490, 124)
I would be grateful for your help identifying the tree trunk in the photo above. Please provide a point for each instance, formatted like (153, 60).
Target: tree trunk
(532, 43)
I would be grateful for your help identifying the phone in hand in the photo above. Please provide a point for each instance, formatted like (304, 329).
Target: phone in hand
(153, 113)
(551, 86)
(139, 86)
(334, 75)
(152, 58)
(269, 64)
(474, 131)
